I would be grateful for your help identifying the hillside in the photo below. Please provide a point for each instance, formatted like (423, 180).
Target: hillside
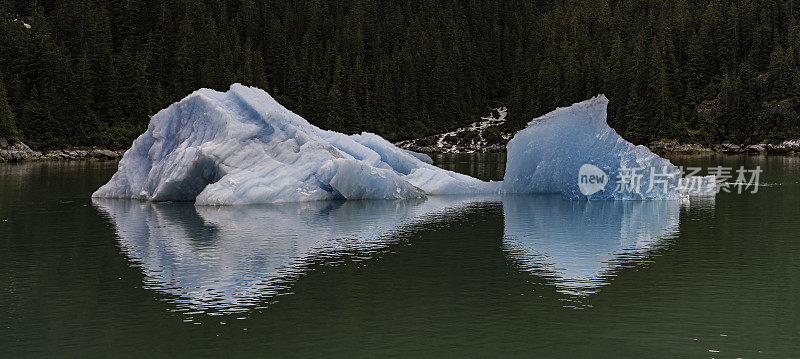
(92, 72)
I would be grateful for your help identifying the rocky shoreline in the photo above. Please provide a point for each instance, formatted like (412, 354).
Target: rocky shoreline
(20, 152)
(788, 147)
(488, 136)
(468, 148)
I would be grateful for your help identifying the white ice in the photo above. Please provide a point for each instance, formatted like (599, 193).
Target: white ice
(546, 156)
(243, 147)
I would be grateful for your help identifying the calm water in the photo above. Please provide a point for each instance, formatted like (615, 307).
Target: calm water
(527, 276)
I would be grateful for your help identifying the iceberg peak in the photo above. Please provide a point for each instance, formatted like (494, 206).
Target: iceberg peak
(594, 106)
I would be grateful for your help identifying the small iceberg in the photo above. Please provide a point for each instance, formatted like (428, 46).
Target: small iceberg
(573, 151)
(243, 147)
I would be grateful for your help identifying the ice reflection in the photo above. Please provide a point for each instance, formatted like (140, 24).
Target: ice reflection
(227, 259)
(578, 244)
(230, 259)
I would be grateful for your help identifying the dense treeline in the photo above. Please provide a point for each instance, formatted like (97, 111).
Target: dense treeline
(700, 71)
(90, 72)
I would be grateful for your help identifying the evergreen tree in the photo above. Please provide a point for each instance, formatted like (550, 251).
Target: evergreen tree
(8, 129)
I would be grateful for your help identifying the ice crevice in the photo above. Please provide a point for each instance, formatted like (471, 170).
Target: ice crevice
(243, 147)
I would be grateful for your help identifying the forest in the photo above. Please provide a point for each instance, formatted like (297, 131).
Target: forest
(92, 72)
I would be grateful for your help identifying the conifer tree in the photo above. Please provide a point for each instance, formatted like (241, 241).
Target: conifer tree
(8, 129)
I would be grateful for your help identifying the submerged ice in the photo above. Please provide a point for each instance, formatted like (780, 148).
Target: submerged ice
(243, 147)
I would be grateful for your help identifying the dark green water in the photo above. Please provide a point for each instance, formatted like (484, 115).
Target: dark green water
(527, 276)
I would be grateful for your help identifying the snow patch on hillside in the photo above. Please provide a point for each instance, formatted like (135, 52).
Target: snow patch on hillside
(479, 136)
(27, 25)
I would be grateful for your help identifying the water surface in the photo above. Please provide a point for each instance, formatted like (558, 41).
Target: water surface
(528, 276)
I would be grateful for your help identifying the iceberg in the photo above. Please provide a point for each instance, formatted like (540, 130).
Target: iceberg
(243, 147)
(552, 152)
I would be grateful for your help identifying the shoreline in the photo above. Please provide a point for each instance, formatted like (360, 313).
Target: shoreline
(20, 152)
(661, 148)
(787, 147)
